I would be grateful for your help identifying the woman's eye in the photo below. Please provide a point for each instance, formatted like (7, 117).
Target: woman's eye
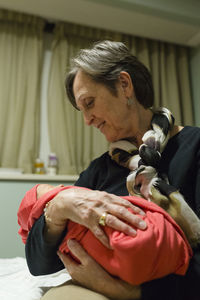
(89, 103)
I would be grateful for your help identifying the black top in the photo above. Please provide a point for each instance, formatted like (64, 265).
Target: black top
(181, 162)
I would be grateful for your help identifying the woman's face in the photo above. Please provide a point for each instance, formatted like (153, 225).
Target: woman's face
(105, 111)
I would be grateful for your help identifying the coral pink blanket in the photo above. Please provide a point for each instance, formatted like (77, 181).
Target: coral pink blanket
(159, 250)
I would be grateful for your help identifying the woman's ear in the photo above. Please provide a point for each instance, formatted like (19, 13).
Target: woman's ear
(126, 84)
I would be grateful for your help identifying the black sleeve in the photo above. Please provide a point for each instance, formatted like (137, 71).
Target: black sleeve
(164, 288)
(41, 256)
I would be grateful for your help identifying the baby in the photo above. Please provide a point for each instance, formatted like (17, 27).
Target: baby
(159, 250)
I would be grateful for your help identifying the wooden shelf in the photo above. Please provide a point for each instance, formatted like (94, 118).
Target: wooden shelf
(38, 178)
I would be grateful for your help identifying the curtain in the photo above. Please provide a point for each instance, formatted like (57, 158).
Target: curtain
(76, 144)
(21, 39)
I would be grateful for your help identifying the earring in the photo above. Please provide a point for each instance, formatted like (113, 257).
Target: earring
(129, 101)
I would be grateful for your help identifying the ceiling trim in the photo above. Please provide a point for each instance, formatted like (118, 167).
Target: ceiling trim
(112, 17)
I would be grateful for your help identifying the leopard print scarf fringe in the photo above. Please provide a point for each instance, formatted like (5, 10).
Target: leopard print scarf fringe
(145, 181)
(148, 154)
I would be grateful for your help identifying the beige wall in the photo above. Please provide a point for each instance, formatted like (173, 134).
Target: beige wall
(12, 193)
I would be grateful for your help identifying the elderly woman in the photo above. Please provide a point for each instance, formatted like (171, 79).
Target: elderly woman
(114, 92)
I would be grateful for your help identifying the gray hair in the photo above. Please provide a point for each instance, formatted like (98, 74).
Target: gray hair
(103, 62)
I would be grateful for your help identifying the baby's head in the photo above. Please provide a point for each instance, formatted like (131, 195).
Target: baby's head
(44, 188)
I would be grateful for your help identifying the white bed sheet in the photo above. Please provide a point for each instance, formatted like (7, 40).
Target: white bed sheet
(16, 282)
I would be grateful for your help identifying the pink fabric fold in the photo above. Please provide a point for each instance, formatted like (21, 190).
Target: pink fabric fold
(159, 250)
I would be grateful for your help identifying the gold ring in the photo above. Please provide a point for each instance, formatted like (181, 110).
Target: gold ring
(102, 219)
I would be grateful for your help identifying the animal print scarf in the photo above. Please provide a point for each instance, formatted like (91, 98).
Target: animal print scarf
(144, 179)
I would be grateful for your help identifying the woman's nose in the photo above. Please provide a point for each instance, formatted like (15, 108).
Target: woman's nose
(88, 118)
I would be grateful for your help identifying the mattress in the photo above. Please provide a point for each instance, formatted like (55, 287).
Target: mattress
(16, 282)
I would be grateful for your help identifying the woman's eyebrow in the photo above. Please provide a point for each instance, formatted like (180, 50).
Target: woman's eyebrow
(82, 98)
(81, 102)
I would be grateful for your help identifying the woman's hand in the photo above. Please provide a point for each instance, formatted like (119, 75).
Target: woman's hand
(85, 207)
(91, 275)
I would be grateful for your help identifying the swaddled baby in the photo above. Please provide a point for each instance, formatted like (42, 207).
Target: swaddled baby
(159, 250)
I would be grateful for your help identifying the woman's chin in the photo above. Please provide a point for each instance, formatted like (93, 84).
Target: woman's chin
(112, 139)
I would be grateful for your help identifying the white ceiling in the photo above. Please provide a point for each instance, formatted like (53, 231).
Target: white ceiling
(177, 22)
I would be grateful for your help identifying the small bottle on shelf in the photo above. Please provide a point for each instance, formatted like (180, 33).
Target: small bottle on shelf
(52, 168)
(39, 166)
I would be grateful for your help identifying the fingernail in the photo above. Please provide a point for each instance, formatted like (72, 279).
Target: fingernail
(71, 243)
(142, 213)
(132, 232)
(142, 225)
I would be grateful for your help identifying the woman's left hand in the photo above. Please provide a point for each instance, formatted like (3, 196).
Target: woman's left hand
(92, 276)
